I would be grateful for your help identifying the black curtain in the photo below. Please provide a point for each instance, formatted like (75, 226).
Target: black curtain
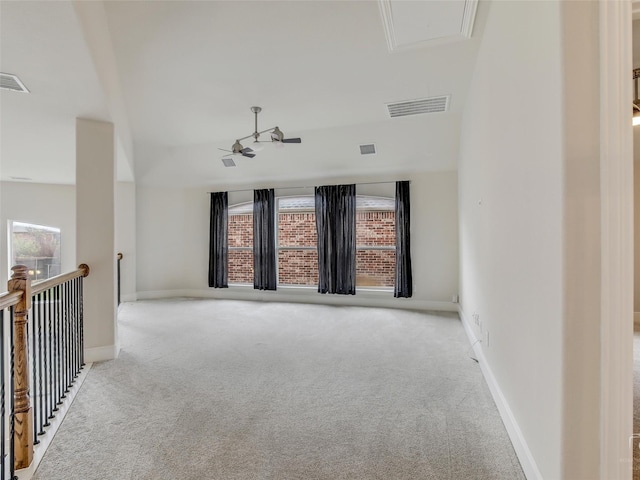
(218, 241)
(264, 240)
(404, 280)
(336, 226)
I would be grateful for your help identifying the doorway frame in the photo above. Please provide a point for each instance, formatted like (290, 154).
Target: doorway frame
(616, 201)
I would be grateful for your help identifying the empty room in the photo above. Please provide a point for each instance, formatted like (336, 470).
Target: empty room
(378, 239)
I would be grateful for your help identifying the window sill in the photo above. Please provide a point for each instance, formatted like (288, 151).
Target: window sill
(314, 289)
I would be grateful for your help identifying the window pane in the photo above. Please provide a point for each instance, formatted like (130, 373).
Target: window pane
(241, 230)
(298, 267)
(37, 247)
(241, 266)
(375, 228)
(241, 235)
(375, 268)
(297, 229)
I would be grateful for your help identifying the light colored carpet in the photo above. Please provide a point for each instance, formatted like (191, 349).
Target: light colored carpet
(210, 389)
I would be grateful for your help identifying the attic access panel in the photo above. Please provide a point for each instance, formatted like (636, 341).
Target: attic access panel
(413, 24)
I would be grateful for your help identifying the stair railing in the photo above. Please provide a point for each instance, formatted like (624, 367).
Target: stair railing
(37, 379)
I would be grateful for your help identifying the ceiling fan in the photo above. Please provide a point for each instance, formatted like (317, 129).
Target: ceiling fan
(238, 149)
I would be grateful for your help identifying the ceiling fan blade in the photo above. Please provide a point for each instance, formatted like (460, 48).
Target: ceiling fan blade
(249, 155)
(291, 140)
(246, 150)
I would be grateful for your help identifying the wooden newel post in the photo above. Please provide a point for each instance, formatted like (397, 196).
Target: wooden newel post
(23, 434)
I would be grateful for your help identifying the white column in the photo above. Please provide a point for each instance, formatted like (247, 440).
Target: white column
(95, 235)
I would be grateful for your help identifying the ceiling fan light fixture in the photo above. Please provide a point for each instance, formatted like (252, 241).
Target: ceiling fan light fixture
(256, 145)
(277, 135)
(237, 147)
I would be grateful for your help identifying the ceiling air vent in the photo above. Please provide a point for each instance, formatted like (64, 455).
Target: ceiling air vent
(417, 107)
(369, 149)
(12, 82)
(228, 162)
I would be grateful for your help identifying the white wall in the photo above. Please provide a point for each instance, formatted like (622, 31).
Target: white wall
(95, 235)
(126, 238)
(636, 213)
(42, 204)
(529, 229)
(510, 175)
(636, 160)
(173, 242)
(55, 206)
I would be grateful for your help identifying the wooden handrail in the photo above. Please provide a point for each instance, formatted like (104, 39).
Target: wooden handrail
(9, 299)
(82, 271)
(19, 295)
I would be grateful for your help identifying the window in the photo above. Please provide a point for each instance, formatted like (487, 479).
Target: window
(37, 247)
(241, 243)
(376, 242)
(297, 242)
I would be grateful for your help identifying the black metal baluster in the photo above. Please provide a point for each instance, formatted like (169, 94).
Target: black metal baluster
(119, 259)
(63, 343)
(50, 312)
(58, 370)
(81, 304)
(66, 338)
(78, 324)
(2, 402)
(12, 418)
(69, 320)
(34, 356)
(40, 397)
(74, 330)
(46, 357)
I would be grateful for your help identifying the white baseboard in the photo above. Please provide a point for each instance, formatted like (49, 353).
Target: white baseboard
(45, 440)
(304, 295)
(129, 297)
(523, 452)
(159, 294)
(100, 354)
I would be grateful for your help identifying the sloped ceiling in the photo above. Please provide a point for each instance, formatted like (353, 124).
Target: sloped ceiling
(190, 71)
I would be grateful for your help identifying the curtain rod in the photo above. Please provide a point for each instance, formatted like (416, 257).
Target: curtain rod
(295, 188)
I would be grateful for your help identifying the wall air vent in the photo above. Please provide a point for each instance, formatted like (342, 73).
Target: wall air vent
(12, 82)
(420, 106)
(369, 149)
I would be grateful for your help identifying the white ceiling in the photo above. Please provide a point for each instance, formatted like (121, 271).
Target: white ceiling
(189, 71)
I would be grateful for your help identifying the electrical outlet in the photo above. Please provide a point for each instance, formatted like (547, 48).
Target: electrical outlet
(477, 321)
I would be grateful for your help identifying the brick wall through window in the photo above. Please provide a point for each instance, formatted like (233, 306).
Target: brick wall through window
(297, 255)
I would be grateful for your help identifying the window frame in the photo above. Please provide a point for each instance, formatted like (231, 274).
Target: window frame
(279, 248)
(361, 248)
(240, 249)
(33, 274)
